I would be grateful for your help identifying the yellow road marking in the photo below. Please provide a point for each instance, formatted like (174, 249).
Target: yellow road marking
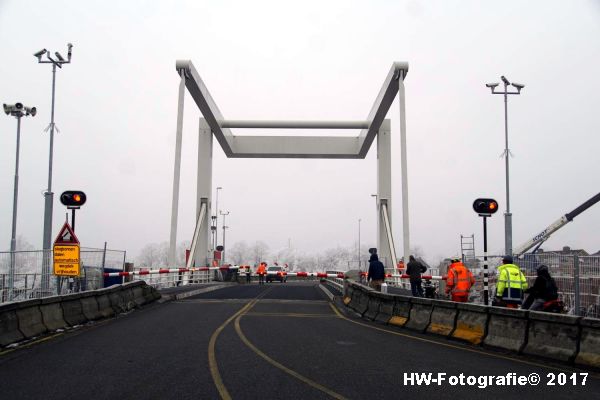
(334, 308)
(212, 358)
(282, 367)
(24, 346)
(295, 315)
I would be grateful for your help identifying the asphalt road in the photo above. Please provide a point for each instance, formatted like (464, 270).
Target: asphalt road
(284, 341)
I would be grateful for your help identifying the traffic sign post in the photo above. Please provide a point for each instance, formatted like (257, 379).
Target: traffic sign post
(485, 208)
(66, 252)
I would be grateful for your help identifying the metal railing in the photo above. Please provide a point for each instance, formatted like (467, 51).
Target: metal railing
(577, 278)
(28, 275)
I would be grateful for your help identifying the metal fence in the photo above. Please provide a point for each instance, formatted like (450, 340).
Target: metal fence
(577, 278)
(28, 273)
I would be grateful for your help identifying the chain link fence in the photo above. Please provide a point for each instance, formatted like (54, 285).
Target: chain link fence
(577, 278)
(28, 276)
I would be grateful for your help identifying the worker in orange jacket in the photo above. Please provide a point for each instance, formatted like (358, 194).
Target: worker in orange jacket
(459, 281)
(261, 271)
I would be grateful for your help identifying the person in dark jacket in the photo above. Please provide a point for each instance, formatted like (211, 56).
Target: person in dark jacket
(376, 274)
(414, 269)
(544, 289)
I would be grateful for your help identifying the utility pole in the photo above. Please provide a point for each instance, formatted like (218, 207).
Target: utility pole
(224, 214)
(508, 250)
(18, 111)
(48, 194)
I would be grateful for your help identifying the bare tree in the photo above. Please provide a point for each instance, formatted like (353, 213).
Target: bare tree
(259, 251)
(239, 253)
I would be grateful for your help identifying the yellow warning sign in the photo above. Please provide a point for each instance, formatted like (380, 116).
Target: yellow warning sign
(66, 260)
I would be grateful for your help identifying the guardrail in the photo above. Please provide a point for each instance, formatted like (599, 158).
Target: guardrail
(31, 318)
(560, 337)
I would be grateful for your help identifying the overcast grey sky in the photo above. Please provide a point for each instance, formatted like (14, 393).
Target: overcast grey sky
(116, 111)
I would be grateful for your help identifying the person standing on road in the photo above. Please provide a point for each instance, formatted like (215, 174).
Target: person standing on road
(459, 281)
(261, 271)
(376, 274)
(414, 269)
(511, 283)
(248, 274)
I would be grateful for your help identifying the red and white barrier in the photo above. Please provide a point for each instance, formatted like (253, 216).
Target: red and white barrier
(224, 268)
(167, 271)
(405, 276)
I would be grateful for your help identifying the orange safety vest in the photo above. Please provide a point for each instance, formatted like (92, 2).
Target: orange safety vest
(460, 279)
(261, 269)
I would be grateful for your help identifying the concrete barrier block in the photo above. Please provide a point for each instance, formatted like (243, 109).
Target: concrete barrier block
(589, 343)
(104, 306)
(386, 308)
(128, 299)
(442, 318)
(401, 312)
(358, 292)
(149, 293)
(30, 318)
(552, 336)
(138, 295)
(471, 322)
(116, 300)
(363, 300)
(507, 328)
(52, 313)
(348, 294)
(72, 310)
(89, 306)
(9, 325)
(372, 306)
(420, 314)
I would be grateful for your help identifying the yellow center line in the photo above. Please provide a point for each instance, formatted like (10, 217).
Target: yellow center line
(457, 347)
(282, 367)
(212, 358)
(294, 315)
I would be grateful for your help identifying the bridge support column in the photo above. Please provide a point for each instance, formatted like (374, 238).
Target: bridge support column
(384, 190)
(404, 167)
(203, 192)
(176, 173)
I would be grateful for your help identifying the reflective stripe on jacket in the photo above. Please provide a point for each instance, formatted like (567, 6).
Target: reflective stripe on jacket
(511, 282)
(460, 279)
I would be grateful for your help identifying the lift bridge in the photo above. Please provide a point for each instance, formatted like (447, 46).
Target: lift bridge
(213, 124)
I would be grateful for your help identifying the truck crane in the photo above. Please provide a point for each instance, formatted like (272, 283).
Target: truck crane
(541, 237)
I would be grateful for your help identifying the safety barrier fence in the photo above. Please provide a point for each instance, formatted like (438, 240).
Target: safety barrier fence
(25, 320)
(30, 281)
(565, 338)
(577, 278)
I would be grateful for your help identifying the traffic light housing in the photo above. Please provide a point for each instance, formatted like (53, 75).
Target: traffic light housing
(485, 206)
(73, 198)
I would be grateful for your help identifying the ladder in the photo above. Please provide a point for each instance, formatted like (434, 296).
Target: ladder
(467, 249)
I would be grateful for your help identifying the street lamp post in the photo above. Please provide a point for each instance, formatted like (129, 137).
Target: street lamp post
(48, 195)
(16, 110)
(224, 214)
(506, 154)
(359, 244)
(216, 217)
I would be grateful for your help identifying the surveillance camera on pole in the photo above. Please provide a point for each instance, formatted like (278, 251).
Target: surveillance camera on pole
(507, 215)
(48, 194)
(18, 111)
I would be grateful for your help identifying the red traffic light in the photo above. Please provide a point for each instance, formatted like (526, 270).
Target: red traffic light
(485, 206)
(73, 198)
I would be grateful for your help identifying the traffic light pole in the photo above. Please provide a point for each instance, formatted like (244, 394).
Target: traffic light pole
(485, 263)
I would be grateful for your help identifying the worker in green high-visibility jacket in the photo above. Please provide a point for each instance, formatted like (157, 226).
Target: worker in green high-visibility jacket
(511, 283)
